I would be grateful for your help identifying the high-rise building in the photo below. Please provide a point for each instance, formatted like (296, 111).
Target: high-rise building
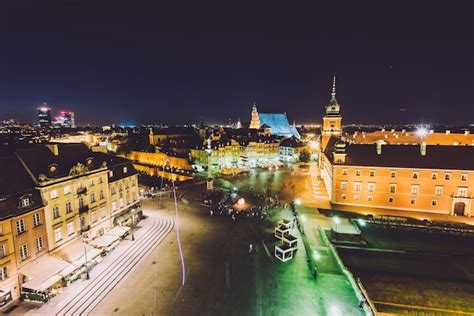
(65, 119)
(44, 116)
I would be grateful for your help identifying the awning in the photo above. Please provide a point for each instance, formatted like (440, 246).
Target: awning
(75, 253)
(104, 241)
(44, 272)
(118, 231)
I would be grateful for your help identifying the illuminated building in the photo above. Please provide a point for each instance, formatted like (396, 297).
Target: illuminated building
(65, 119)
(277, 123)
(44, 116)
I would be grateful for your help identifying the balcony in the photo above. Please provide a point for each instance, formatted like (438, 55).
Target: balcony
(83, 209)
(85, 228)
(81, 190)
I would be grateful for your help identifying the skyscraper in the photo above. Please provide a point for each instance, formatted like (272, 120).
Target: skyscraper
(65, 119)
(44, 116)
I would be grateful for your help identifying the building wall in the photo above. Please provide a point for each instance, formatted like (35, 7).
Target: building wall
(415, 189)
(124, 193)
(159, 159)
(8, 261)
(94, 183)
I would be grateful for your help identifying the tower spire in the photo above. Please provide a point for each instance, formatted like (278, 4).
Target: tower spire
(333, 94)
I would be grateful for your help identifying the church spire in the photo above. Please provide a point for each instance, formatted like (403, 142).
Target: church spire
(333, 94)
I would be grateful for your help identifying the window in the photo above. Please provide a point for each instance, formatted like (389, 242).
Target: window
(371, 187)
(344, 185)
(370, 198)
(464, 177)
(356, 197)
(94, 217)
(415, 188)
(56, 212)
(438, 190)
(434, 175)
(68, 207)
(3, 253)
(114, 206)
(92, 183)
(39, 244)
(101, 180)
(343, 196)
(20, 226)
(392, 188)
(393, 174)
(24, 202)
(24, 252)
(102, 212)
(53, 194)
(120, 188)
(70, 228)
(67, 190)
(112, 190)
(372, 173)
(391, 199)
(121, 202)
(36, 219)
(357, 172)
(101, 194)
(1, 230)
(92, 197)
(125, 169)
(447, 176)
(81, 202)
(462, 191)
(434, 202)
(3, 273)
(58, 234)
(357, 186)
(412, 201)
(111, 173)
(415, 174)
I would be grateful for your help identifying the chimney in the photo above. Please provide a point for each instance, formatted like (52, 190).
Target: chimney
(379, 148)
(54, 148)
(423, 148)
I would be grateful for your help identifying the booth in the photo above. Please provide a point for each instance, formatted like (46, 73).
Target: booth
(286, 223)
(282, 230)
(283, 252)
(291, 241)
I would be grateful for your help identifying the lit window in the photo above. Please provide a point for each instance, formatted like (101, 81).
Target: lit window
(111, 173)
(462, 192)
(24, 252)
(3, 253)
(56, 213)
(68, 207)
(3, 273)
(357, 186)
(415, 188)
(20, 226)
(125, 169)
(39, 244)
(58, 234)
(70, 228)
(67, 190)
(344, 185)
(356, 197)
(371, 187)
(36, 219)
(447, 176)
(24, 202)
(53, 194)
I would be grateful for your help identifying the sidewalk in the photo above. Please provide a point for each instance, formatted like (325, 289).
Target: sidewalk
(68, 293)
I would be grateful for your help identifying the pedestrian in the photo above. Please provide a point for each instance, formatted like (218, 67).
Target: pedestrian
(250, 248)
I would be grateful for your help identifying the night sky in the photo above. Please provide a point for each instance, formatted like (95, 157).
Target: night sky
(132, 62)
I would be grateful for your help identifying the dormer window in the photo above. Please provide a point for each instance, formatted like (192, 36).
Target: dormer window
(125, 169)
(24, 202)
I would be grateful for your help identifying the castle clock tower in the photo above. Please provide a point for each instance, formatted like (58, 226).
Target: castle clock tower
(332, 121)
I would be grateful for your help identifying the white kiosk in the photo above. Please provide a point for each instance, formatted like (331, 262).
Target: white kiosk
(283, 252)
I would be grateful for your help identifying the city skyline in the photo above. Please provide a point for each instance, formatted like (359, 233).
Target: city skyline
(140, 68)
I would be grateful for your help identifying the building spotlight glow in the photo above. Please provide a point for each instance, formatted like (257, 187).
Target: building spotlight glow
(361, 222)
(313, 144)
(298, 201)
(241, 201)
(336, 220)
(421, 131)
(303, 218)
(316, 255)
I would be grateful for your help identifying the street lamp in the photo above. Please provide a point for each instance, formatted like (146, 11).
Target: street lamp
(298, 201)
(316, 255)
(84, 240)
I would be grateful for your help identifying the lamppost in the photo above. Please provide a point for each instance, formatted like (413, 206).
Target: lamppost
(337, 221)
(210, 184)
(84, 241)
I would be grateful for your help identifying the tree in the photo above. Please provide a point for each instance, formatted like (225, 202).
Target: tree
(304, 156)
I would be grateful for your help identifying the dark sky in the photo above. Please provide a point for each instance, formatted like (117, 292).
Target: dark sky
(140, 62)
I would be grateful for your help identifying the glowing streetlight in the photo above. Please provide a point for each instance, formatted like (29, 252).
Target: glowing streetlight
(316, 255)
(298, 201)
(303, 218)
(241, 201)
(361, 222)
(337, 221)
(421, 131)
